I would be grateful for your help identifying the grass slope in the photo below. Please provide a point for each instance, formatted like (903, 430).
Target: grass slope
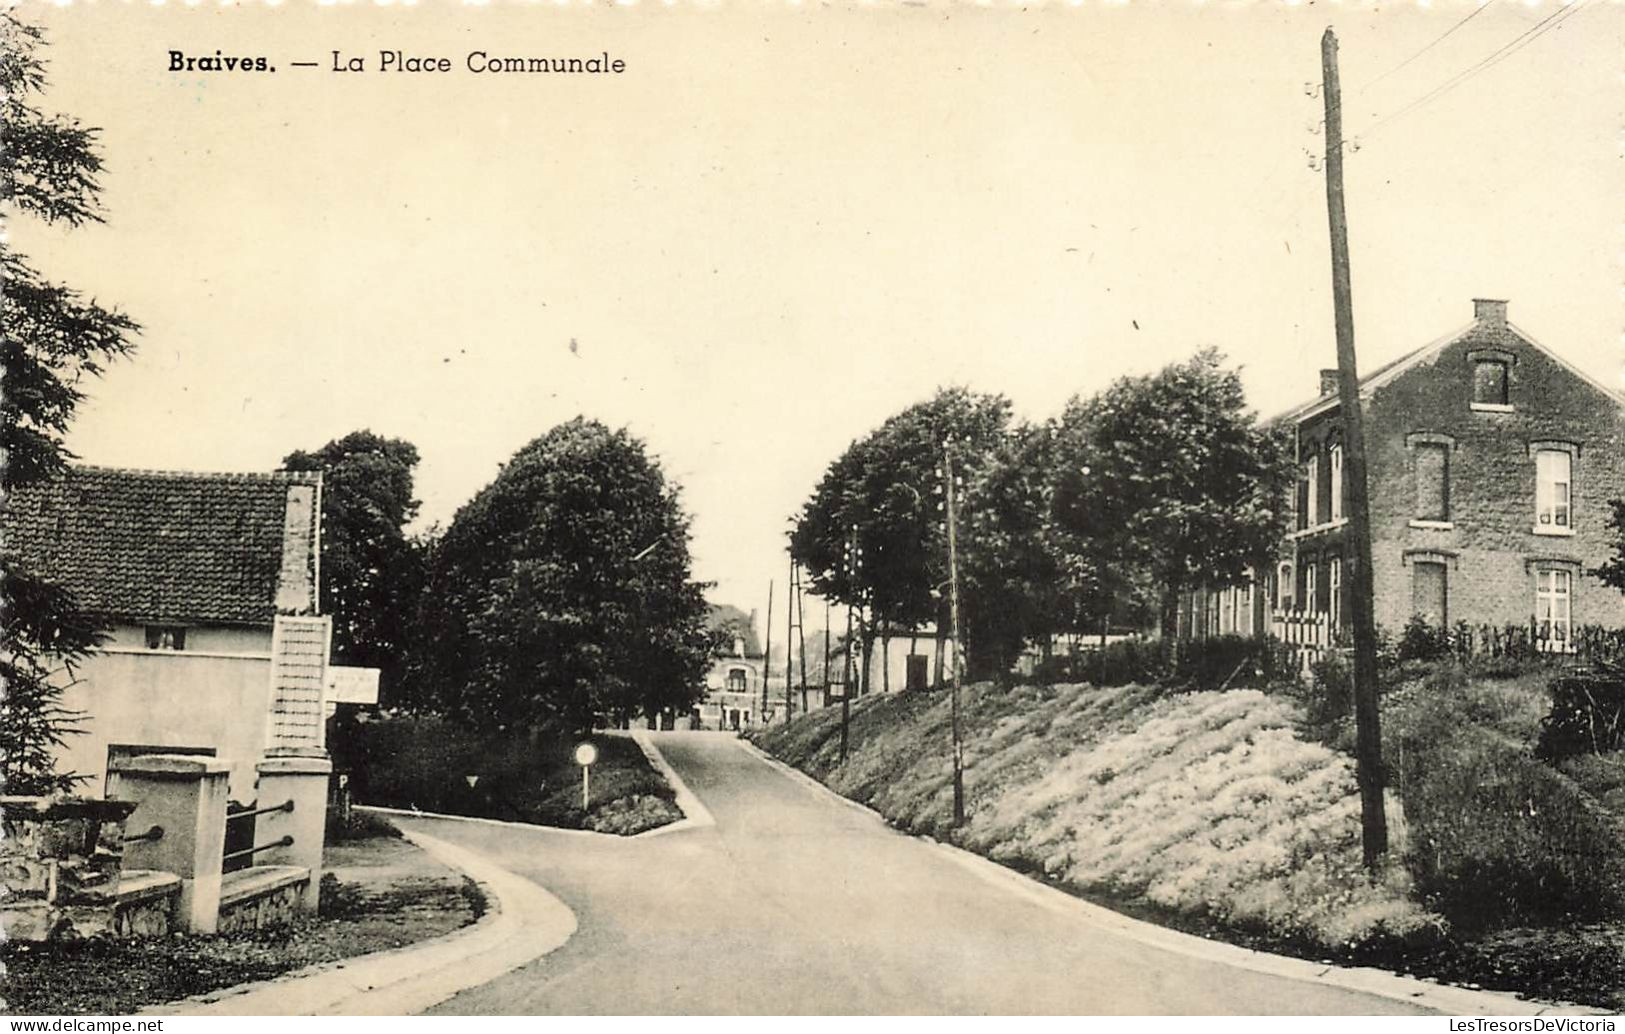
(1203, 805)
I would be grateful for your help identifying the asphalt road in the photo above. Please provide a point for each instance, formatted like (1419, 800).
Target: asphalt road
(794, 903)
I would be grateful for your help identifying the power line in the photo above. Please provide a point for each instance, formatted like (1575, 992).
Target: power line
(1474, 13)
(1528, 36)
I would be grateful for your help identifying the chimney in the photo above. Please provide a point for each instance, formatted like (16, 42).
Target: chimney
(296, 579)
(1490, 310)
(1328, 383)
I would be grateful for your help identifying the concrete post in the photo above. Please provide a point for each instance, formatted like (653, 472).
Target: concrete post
(299, 774)
(185, 795)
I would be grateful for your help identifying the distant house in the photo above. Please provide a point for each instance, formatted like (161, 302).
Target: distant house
(1491, 463)
(733, 685)
(209, 584)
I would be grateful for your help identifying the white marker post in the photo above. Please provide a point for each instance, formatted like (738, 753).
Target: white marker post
(586, 754)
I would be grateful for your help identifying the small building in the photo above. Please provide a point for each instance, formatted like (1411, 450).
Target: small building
(733, 685)
(208, 585)
(1491, 464)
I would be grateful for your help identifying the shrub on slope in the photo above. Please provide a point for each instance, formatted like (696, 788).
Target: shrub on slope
(1204, 804)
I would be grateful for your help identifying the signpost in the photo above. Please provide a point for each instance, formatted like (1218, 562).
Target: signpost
(586, 754)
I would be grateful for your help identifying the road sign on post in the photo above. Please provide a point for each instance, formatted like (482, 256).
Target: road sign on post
(586, 754)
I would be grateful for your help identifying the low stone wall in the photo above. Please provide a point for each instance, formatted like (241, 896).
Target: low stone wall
(146, 906)
(261, 896)
(60, 863)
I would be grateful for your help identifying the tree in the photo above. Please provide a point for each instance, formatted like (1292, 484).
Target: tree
(1612, 572)
(372, 572)
(887, 486)
(53, 340)
(561, 594)
(1016, 586)
(1168, 480)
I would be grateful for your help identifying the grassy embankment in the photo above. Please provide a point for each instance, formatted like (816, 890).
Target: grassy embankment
(1230, 814)
(425, 763)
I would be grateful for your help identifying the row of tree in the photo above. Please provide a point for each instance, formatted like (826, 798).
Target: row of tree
(560, 595)
(1097, 517)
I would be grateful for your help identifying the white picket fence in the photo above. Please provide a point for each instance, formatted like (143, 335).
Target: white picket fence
(1307, 634)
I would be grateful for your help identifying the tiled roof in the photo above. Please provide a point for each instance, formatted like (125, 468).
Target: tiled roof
(153, 546)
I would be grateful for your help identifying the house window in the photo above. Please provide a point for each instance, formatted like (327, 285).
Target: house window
(1432, 481)
(736, 680)
(166, 637)
(1310, 481)
(1337, 482)
(1489, 382)
(1553, 617)
(1283, 587)
(1311, 602)
(1553, 492)
(1334, 575)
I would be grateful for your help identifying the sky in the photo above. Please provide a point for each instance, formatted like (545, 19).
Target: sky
(784, 222)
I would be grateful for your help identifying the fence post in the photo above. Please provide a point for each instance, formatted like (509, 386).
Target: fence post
(300, 775)
(185, 795)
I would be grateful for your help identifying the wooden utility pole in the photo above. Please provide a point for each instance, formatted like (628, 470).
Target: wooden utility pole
(792, 624)
(852, 563)
(767, 651)
(826, 651)
(801, 635)
(1368, 735)
(953, 612)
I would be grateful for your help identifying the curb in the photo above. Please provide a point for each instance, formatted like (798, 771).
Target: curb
(523, 923)
(695, 814)
(1445, 998)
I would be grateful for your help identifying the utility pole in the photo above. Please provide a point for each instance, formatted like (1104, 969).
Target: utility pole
(789, 632)
(852, 564)
(767, 650)
(801, 632)
(1368, 736)
(953, 612)
(826, 651)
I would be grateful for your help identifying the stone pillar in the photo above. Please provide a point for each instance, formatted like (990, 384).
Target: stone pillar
(185, 795)
(300, 775)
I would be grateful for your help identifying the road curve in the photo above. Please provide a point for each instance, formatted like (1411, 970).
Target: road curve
(794, 903)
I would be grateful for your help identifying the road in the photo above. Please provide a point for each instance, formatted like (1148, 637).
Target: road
(795, 903)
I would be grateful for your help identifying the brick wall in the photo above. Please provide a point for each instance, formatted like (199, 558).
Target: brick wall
(1488, 545)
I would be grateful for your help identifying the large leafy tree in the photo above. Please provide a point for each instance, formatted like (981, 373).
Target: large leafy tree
(1016, 585)
(887, 487)
(562, 593)
(372, 572)
(53, 340)
(1168, 480)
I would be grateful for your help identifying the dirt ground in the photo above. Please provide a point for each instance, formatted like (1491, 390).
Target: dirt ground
(381, 893)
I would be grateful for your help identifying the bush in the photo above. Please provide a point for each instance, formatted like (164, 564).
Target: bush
(1587, 716)
(1329, 697)
(1496, 837)
(1421, 641)
(1193, 664)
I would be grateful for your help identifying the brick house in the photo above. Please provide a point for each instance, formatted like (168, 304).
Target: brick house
(733, 684)
(208, 586)
(1491, 463)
